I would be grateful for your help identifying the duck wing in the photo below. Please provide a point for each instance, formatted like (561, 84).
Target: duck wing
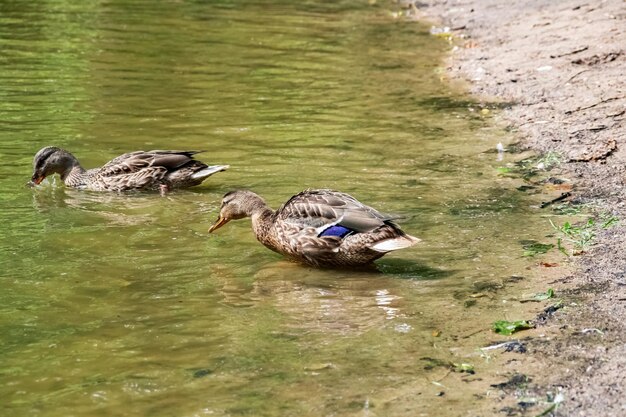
(139, 160)
(322, 209)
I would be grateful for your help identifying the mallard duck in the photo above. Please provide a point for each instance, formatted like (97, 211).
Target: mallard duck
(318, 227)
(139, 170)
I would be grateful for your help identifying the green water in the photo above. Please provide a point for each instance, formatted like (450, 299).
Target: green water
(124, 305)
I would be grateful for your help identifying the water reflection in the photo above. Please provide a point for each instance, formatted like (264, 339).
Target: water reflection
(120, 209)
(346, 303)
(123, 304)
(326, 303)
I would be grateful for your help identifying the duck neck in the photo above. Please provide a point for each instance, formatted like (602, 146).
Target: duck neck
(73, 175)
(261, 216)
(262, 221)
(71, 171)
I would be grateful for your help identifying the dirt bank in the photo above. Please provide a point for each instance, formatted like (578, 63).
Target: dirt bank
(562, 66)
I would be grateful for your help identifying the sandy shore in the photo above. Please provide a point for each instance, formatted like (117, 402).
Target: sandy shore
(562, 66)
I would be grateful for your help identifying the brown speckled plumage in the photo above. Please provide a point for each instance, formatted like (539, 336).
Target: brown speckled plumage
(295, 228)
(139, 170)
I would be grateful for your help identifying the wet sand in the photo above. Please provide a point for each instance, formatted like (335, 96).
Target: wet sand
(560, 69)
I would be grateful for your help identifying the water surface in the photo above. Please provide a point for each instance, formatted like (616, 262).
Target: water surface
(124, 305)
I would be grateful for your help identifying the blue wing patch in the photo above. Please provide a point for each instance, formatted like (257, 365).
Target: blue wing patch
(336, 230)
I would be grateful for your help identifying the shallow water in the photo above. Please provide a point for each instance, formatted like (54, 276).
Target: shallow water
(124, 305)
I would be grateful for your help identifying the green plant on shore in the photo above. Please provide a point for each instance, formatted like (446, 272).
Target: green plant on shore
(581, 237)
(529, 167)
(578, 236)
(554, 401)
(608, 220)
(548, 160)
(568, 209)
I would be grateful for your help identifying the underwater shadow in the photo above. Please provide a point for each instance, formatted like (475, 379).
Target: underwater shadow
(411, 270)
(387, 269)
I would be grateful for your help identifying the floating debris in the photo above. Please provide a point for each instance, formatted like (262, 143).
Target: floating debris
(512, 346)
(585, 331)
(464, 367)
(500, 149)
(549, 311)
(539, 296)
(532, 247)
(440, 31)
(507, 328)
(403, 328)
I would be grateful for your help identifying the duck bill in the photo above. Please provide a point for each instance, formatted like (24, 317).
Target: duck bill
(35, 180)
(221, 221)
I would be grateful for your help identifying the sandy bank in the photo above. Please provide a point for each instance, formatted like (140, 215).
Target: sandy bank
(562, 66)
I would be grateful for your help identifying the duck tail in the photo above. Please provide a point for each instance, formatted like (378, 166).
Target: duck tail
(400, 242)
(208, 171)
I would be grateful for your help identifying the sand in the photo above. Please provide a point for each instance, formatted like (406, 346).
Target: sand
(559, 67)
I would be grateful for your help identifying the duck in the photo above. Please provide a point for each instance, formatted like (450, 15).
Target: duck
(318, 227)
(139, 170)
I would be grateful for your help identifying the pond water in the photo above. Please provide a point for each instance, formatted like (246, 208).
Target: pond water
(124, 305)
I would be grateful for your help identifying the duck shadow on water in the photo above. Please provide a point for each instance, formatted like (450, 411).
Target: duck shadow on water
(411, 270)
(382, 269)
(391, 268)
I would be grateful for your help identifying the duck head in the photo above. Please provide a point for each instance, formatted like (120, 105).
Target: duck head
(50, 160)
(237, 205)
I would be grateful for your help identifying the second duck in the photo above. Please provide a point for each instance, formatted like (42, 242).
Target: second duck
(139, 170)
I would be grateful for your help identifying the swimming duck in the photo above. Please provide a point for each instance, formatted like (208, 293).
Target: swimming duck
(323, 228)
(139, 170)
